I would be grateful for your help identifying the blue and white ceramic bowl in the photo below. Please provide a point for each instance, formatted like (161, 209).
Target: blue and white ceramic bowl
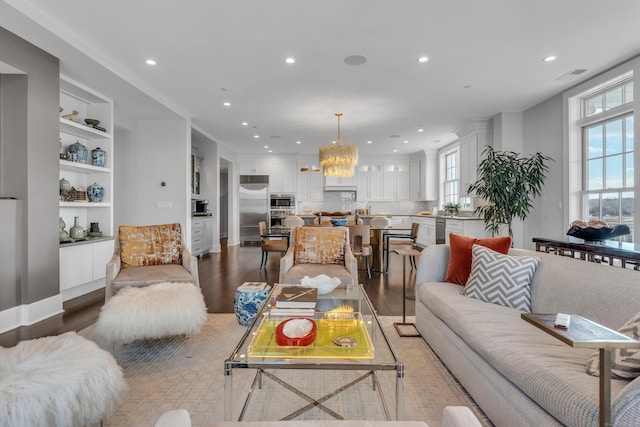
(339, 222)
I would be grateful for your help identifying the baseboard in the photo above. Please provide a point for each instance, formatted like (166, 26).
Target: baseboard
(29, 314)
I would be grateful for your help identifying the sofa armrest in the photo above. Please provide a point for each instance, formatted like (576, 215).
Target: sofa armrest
(433, 264)
(113, 268)
(191, 264)
(286, 262)
(351, 263)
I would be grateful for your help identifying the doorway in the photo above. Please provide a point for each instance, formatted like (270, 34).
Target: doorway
(224, 201)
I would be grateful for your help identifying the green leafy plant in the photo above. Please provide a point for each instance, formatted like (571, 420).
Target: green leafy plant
(508, 182)
(452, 208)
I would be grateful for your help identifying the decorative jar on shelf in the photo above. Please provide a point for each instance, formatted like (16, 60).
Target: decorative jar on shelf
(65, 185)
(97, 157)
(63, 234)
(76, 232)
(95, 192)
(81, 150)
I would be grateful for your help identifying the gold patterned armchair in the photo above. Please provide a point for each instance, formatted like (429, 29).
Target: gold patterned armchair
(319, 250)
(150, 254)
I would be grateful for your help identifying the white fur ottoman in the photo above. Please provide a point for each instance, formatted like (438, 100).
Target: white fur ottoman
(154, 311)
(63, 380)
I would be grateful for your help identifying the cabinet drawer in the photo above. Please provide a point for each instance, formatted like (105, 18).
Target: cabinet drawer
(197, 233)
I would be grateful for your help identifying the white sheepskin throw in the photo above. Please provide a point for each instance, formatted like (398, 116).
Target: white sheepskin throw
(155, 311)
(63, 380)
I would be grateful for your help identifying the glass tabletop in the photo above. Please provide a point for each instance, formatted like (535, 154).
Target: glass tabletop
(346, 311)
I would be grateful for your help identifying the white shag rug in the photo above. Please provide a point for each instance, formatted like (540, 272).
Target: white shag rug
(63, 380)
(155, 311)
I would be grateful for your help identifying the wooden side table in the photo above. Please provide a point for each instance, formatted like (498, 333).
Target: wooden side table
(406, 253)
(583, 333)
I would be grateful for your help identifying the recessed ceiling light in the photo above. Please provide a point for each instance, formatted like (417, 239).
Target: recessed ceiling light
(290, 61)
(266, 146)
(270, 151)
(395, 150)
(420, 130)
(298, 142)
(406, 142)
(550, 58)
(150, 62)
(369, 142)
(227, 104)
(256, 136)
(245, 124)
(423, 59)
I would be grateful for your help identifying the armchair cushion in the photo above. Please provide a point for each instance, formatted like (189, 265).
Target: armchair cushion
(150, 245)
(319, 246)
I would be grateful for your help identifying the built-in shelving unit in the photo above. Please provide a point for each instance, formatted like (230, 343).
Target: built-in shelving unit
(82, 263)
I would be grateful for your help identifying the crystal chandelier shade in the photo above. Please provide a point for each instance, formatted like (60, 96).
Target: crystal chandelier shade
(338, 159)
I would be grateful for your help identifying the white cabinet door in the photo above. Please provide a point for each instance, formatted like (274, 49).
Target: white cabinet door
(389, 186)
(282, 176)
(253, 167)
(102, 253)
(468, 227)
(310, 186)
(396, 186)
(375, 186)
(403, 186)
(415, 180)
(76, 266)
(426, 231)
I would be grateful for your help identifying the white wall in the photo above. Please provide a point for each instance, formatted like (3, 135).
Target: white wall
(207, 149)
(543, 131)
(147, 154)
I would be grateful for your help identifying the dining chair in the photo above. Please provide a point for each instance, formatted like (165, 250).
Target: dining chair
(360, 240)
(271, 243)
(400, 241)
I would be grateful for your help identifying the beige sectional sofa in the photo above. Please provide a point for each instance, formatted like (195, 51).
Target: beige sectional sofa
(519, 375)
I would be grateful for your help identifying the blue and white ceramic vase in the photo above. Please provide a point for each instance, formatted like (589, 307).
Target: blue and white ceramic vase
(95, 192)
(82, 152)
(97, 157)
(247, 303)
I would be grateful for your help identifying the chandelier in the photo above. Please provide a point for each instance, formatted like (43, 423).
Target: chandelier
(338, 159)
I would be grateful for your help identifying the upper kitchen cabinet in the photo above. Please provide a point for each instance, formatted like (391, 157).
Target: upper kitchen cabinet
(310, 186)
(424, 176)
(253, 167)
(86, 186)
(282, 176)
(369, 181)
(396, 184)
(473, 139)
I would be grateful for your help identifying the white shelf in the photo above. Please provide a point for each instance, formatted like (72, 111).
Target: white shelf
(85, 205)
(81, 130)
(66, 165)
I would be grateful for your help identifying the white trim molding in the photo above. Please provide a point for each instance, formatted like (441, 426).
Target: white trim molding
(29, 314)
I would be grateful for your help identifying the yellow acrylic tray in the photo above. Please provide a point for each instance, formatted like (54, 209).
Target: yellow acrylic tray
(330, 326)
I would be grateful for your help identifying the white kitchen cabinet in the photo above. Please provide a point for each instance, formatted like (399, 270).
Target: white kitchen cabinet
(473, 140)
(466, 227)
(83, 263)
(415, 180)
(340, 181)
(253, 167)
(310, 187)
(369, 186)
(396, 186)
(201, 237)
(282, 176)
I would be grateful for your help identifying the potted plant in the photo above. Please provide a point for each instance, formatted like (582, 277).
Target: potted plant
(508, 182)
(452, 208)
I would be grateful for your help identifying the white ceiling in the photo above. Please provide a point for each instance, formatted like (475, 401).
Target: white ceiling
(485, 57)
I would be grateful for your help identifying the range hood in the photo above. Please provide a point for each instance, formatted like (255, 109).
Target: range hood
(335, 183)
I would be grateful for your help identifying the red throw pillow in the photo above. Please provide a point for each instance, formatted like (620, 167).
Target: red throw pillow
(460, 254)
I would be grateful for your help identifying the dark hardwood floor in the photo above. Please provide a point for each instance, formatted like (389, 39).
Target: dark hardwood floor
(220, 275)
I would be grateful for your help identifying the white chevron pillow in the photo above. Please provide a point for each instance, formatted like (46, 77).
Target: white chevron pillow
(501, 279)
(625, 362)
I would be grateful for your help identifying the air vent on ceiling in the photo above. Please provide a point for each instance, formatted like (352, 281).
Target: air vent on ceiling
(572, 74)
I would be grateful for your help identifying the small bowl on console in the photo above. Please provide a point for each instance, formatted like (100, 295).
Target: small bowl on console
(340, 222)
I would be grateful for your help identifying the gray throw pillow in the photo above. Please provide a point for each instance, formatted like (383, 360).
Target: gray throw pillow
(625, 362)
(501, 279)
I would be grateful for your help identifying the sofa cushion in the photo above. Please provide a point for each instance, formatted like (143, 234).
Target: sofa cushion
(317, 245)
(150, 245)
(460, 254)
(625, 362)
(501, 279)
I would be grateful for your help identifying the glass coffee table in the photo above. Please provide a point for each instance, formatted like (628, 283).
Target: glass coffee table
(345, 312)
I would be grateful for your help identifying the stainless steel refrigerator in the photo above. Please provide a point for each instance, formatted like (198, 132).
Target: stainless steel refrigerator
(253, 206)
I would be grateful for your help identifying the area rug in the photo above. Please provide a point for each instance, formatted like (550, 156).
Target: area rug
(187, 372)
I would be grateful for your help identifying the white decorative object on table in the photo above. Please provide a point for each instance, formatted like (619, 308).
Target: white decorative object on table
(324, 283)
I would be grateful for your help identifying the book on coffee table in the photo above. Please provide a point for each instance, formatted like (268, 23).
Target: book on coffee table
(297, 297)
(292, 312)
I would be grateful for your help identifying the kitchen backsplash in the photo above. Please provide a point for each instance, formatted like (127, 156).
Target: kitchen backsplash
(345, 202)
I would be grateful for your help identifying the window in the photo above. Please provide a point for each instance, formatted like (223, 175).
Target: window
(451, 193)
(608, 175)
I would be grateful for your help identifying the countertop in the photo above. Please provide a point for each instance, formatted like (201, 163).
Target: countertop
(464, 218)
